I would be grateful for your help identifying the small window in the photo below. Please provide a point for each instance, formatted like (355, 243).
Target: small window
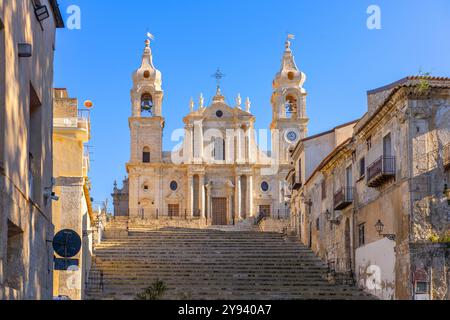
(362, 234)
(146, 74)
(324, 190)
(362, 167)
(291, 76)
(318, 224)
(422, 287)
(369, 143)
(146, 155)
(265, 186)
(219, 113)
(146, 188)
(174, 186)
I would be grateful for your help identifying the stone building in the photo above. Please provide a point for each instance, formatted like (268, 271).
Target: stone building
(217, 173)
(377, 206)
(73, 211)
(27, 43)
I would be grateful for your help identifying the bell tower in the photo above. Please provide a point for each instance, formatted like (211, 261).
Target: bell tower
(146, 123)
(289, 119)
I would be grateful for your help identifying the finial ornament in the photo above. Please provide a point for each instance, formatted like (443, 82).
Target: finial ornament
(202, 101)
(238, 101)
(248, 105)
(191, 105)
(289, 37)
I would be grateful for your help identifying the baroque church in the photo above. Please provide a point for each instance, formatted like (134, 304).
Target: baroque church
(219, 173)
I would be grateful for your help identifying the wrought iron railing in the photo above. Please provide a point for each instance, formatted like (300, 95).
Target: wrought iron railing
(381, 168)
(343, 198)
(446, 156)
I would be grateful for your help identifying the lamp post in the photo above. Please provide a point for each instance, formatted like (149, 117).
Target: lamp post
(379, 226)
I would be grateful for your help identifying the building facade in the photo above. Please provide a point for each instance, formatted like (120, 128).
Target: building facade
(73, 211)
(218, 173)
(27, 45)
(377, 207)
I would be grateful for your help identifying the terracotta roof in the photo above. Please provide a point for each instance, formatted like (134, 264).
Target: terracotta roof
(331, 131)
(405, 80)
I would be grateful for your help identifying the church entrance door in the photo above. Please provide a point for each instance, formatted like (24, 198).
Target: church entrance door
(219, 211)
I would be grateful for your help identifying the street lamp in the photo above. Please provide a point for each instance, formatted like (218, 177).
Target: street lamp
(379, 226)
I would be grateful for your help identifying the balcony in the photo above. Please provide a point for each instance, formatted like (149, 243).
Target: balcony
(296, 184)
(343, 198)
(447, 157)
(381, 171)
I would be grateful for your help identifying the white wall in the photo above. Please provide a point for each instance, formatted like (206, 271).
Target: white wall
(375, 268)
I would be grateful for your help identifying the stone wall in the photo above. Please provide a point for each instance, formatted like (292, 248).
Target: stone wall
(274, 225)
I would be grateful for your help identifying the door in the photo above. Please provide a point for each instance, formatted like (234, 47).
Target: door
(174, 210)
(265, 211)
(219, 212)
(387, 146)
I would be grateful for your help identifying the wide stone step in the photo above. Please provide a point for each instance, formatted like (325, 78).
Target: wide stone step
(211, 264)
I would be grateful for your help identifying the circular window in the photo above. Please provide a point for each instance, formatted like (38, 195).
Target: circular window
(291, 76)
(265, 186)
(174, 186)
(219, 113)
(146, 74)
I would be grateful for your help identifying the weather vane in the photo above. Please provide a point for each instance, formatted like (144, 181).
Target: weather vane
(150, 36)
(218, 76)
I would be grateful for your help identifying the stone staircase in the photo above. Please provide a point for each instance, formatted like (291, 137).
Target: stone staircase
(209, 265)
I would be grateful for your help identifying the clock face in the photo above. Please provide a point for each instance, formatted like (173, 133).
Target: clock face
(292, 136)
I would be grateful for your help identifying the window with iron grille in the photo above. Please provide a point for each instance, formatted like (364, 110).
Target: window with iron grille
(362, 234)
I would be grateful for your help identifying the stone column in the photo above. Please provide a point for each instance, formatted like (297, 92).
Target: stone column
(201, 195)
(248, 143)
(230, 207)
(187, 149)
(249, 199)
(198, 135)
(209, 211)
(190, 196)
(237, 197)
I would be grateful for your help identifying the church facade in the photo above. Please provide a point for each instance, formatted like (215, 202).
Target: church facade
(218, 173)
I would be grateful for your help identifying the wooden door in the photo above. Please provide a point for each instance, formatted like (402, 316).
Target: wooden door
(219, 212)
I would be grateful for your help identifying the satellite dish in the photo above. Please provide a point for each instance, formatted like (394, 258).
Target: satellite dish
(67, 243)
(88, 104)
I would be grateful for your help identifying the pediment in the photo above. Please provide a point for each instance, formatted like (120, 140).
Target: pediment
(221, 111)
(175, 196)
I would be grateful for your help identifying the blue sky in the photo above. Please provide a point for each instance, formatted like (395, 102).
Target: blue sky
(342, 58)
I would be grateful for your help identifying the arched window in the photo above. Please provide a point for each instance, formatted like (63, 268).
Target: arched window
(146, 155)
(291, 105)
(147, 104)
